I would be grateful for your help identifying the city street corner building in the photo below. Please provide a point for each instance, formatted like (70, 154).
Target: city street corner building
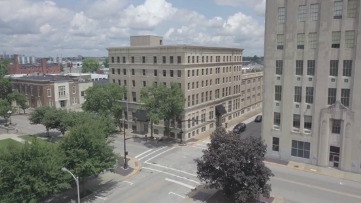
(312, 97)
(216, 93)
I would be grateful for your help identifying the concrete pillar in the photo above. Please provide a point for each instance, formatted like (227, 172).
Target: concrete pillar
(323, 145)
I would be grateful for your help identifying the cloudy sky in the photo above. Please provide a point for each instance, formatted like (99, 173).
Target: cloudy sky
(88, 27)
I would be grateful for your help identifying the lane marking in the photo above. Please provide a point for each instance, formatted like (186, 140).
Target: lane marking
(171, 174)
(152, 187)
(207, 141)
(191, 174)
(180, 183)
(317, 187)
(151, 153)
(199, 147)
(103, 198)
(130, 183)
(176, 195)
(159, 154)
(143, 153)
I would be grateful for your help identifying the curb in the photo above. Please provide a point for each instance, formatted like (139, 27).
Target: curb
(136, 163)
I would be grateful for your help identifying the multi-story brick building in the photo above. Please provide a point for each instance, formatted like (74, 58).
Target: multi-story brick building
(210, 78)
(312, 100)
(52, 90)
(43, 67)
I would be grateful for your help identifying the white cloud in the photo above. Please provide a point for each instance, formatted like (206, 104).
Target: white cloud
(104, 8)
(257, 5)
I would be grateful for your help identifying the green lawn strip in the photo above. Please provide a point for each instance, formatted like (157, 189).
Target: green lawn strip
(30, 138)
(8, 142)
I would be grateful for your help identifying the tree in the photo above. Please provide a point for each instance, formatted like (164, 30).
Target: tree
(4, 108)
(106, 62)
(235, 165)
(4, 67)
(5, 88)
(152, 98)
(87, 151)
(32, 172)
(90, 65)
(20, 100)
(105, 100)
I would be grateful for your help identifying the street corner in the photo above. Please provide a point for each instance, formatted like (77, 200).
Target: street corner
(132, 169)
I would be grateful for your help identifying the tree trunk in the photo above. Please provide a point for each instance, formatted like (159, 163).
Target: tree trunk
(151, 130)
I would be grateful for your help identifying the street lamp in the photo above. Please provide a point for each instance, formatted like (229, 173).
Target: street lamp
(9, 113)
(125, 147)
(76, 180)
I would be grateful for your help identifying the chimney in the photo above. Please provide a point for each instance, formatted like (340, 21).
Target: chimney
(16, 59)
(43, 65)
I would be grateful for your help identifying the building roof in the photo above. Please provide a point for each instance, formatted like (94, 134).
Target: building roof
(47, 78)
(174, 46)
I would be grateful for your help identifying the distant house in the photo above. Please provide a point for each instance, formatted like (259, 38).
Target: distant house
(43, 67)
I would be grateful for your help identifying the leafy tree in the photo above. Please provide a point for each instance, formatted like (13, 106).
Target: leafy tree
(235, 165)
(4, 67)
(32, 172)
(105, 100)
(87, 151)
(152, 98)
(4, 108)
(90, 65)
(51, 119)
(5, 88)
(20, 100)
(37, 116)
(106, 62)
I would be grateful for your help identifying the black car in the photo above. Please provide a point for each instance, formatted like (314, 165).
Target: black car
(258, 119)
(240, 127)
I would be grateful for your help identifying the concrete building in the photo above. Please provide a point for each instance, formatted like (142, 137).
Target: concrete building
(43, 67)
(312, 106)
(52, 90)
(210, 78)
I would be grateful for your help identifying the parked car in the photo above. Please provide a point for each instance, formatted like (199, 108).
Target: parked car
(258, 119)
(240, 127)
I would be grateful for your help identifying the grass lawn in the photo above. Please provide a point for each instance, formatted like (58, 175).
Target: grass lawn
(29, 138)
(8, 142)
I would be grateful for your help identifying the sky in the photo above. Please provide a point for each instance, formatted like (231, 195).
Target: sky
(87, 27)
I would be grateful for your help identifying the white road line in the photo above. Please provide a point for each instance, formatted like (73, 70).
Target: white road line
(207, 141)
(199, 147)
(159, 154)
(100, 197)
(202, 144)
(143, 153)
(151, 153)
(177, 195)
(180, 183)
(171, 174)
(191, 174)
(130, 183)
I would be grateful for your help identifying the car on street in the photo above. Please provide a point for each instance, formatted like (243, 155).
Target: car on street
(240, 127)
(258, 119)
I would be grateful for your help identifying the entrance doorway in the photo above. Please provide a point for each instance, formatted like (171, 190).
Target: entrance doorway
(334, 156)
(62, 103)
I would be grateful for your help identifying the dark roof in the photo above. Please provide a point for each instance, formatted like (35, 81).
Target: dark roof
(51, 78)
(140, 115)
(101, 82)
(220, 110)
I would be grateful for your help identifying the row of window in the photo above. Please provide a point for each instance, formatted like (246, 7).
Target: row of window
(298, 148)
(347, 67)
(313, 40)
(28, 89)
(191, 59)
(315, 9)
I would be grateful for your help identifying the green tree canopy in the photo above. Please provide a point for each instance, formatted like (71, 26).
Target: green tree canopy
(31, 172)
(106, 62)
(173, 105)
(20, 100)
(4, 67)
(5, 88)
(4, 107)
(235, 164)
(90, 65)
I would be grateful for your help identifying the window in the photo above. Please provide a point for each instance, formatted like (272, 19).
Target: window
(164, 59)
(308, 122)
(143, 59)
(309, 95)
(74, 89)
(345, 97)
(133, 81)
(49, 92)
(124, 71)
(351, 8)
(155, 73)
(275, 144)
(133, 72)
(347, 68)
(179, 59)
(189, 59)
(192, 59)
(113, 71)
(118, 59)
(144, 83)
(197, 59)
(314, 9)
(61, 91)
(179, 73)
(277, 118)
(154, 59)
(333, 67)
(331, 96)
(298, 94)
(279, 67)
(350, 39)
(311, 67)
(280, 41)
(300, 149)
(112, 59)
(123, 59)
(134, 96)
(278, 92)
(132, 59)
(312, 39)
(125, 82)
(282, 15)
(337, 9)
(299, 67)
(336, 126)
(171, 73)
(336, 39)
(144, 72)
(171, 59)
(302, 13)
(296, 120)
(300, 40)
(164, 73)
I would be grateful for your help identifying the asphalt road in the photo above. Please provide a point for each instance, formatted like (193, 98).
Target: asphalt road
(168, 174)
